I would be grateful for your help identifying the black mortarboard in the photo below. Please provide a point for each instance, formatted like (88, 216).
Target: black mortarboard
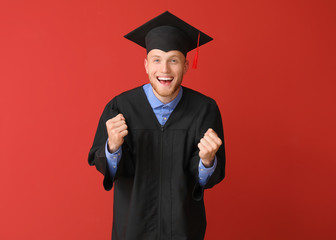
(168, 32)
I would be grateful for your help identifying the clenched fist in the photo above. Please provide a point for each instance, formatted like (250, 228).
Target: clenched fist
(116, 130)
(208, 147)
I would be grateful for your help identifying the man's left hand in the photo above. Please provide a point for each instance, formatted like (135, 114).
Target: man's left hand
(208, 147)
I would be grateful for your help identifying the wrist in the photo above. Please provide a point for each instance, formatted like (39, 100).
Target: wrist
(112, 148)
(208, 163)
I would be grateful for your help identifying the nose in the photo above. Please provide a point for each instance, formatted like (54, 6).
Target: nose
(165, 67)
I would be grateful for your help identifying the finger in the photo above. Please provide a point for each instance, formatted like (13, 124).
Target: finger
(117, 118)
(120, 128)
(206, 145)
(203, 153)
(214, 138)
(212, 143)
(123, 133)
(210, 130)
(108, 122)
(202, 148)
(114, 120)
(113, 125)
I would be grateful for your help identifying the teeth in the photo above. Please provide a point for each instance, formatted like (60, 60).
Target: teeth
(165, 79)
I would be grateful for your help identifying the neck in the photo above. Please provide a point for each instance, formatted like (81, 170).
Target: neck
(166, 99)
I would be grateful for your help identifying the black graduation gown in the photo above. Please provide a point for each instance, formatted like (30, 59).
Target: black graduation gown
(156, 189)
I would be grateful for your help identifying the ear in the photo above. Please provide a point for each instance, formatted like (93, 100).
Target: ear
(146, 65)
(186, 66)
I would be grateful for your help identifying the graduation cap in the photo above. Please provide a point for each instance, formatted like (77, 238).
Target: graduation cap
(167, 32)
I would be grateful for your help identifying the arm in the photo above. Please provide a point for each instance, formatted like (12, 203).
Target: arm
(113, 160)
(208, 129)
(97, 154)
(204, 173)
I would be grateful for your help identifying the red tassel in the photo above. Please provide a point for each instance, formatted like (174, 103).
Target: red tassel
(194, 66)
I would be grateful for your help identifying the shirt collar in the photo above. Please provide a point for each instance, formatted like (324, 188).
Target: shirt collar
(155, 102)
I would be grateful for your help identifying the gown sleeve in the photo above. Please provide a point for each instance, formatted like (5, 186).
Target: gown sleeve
(97, 154)
(209, 117)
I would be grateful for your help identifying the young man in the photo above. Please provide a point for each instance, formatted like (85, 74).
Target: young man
(160, 144)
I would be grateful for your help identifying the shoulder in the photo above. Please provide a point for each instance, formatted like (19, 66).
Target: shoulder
(127, 96)
(197, 98)
(135, 92)
(199, 104)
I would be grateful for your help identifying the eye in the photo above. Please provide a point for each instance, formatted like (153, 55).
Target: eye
(156, 60)
(173, 61)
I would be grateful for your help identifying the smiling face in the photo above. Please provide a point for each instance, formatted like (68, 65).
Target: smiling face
(165, 71)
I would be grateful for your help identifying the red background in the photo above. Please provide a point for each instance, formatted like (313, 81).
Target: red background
(271, 69)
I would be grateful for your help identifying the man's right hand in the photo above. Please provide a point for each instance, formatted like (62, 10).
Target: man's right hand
(116, 130)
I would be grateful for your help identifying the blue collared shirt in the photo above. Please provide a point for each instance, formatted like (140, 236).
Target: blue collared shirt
(162, 112)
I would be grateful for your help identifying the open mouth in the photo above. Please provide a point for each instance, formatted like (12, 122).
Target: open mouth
(165, 80)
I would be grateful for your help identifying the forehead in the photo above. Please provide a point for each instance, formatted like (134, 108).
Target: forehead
(163, 54)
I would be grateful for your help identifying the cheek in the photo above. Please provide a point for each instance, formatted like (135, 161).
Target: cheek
(151, 69)
(179, 71)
